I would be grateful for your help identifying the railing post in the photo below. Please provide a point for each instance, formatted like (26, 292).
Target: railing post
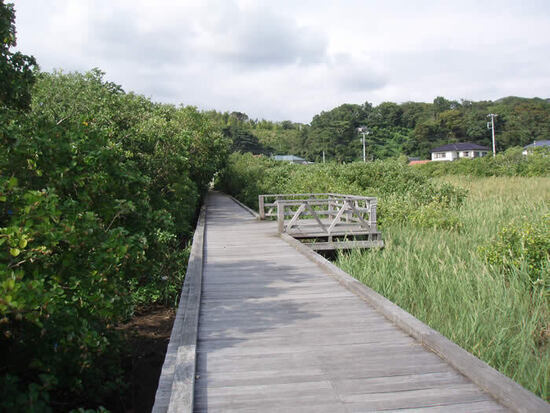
(372, 215)
(261, 208)
(346, 211)
(281, 216)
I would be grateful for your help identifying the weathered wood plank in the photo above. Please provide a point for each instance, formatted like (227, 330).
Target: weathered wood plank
(456, 393)
(320, 330)
(374, 345)
(472, 407)
(289, 376)
(398, 383)
(176, 384)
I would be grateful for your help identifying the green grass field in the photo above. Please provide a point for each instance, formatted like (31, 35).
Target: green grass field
(443, 279)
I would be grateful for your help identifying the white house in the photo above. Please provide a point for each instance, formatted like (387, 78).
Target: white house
(536, 144)
(459, 150)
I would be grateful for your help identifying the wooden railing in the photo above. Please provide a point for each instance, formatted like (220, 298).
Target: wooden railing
(267, 204)
(320, 215)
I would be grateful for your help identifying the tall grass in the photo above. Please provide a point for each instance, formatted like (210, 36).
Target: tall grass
(441, 277)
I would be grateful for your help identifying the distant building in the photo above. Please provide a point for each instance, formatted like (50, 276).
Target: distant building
(536, 144)
(290, 158)
(459, 150)
(419, 162)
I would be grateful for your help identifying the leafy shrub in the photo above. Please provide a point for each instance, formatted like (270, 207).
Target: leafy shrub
(435, 215)
(523, 245)
(99, 190)
(405, 194)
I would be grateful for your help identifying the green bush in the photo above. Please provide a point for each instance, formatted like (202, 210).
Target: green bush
(99, 191)
(405, 194)
(523, 245)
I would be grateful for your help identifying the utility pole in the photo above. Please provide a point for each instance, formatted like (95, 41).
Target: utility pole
(491, 125)
(364, 150)
(364, 131)
(323, 156)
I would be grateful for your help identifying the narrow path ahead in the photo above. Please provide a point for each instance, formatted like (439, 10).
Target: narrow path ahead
(278, 333)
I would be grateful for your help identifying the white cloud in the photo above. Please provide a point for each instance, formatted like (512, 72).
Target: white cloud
(290, 60)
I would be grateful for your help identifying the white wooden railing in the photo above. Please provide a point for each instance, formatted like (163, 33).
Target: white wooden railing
(320, 214)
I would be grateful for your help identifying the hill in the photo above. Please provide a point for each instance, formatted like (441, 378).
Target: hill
(409, 128)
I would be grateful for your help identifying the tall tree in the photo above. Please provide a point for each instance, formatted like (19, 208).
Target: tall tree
(16, 69)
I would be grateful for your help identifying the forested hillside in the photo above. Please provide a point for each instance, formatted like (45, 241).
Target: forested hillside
(410, 128)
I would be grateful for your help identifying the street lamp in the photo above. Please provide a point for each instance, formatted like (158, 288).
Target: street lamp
(364, 131)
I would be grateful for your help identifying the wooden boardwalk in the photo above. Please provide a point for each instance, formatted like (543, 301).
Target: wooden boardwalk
(276, 332)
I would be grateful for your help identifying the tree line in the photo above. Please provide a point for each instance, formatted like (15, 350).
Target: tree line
(410, 128)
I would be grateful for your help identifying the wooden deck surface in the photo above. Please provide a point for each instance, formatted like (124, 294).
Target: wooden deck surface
(278, 333)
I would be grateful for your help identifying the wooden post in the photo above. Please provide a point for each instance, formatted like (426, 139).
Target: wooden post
(281, 216)
(372, 215)
(261, 208)
(346, 211)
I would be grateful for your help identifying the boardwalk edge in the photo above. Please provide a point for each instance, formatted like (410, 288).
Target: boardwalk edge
(248, 209)
(502, 388)
(175, 392)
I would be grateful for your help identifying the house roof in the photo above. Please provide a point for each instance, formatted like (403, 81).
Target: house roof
(419, 162)
(537, 144)
(460, 146)
(287, 158)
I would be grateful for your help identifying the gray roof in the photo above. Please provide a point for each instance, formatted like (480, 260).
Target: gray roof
(537, 144)
(287, 158)
(460, 146)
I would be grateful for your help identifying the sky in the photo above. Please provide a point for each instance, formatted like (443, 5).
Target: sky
(291, 59)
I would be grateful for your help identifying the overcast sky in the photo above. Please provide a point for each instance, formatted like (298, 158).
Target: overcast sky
(290, 59)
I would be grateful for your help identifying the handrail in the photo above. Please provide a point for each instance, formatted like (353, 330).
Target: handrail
(267, 203)
(321, 214)
(175, 391)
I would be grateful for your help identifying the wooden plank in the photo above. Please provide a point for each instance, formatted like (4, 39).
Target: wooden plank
(309, 407)
(471, 407)
(295, 217)
(418, 398)
(336, 218)
(306, 305)
(373, 348)
(398, 383)
(264, 330)
(288, 298)
(316, 392)
(338, 245)
(322, 398)
(282, 375)
(182, 396)
(176, 383)
(347, 315)
(247, 363)
(313, 341)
